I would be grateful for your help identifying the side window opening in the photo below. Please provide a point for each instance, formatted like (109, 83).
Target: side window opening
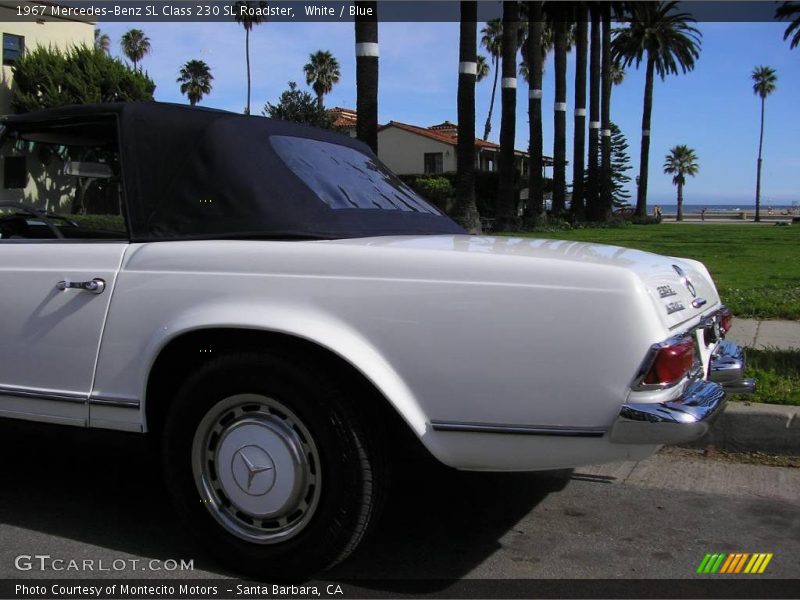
(69, 173)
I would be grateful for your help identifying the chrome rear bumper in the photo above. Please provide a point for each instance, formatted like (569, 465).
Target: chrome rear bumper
(689, 416)
(727, 369)
(681, 420)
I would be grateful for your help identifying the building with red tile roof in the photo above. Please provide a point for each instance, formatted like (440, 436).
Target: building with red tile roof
(409, 149)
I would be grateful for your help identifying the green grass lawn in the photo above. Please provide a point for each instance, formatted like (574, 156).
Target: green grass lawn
(756, 267)
(778, 375)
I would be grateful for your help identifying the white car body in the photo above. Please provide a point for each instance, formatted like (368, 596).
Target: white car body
(284, 316)
(498, 332)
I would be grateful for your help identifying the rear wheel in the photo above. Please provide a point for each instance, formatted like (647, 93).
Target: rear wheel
(271, 467)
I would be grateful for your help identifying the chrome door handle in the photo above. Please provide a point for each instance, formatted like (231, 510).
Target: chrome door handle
(95, 286)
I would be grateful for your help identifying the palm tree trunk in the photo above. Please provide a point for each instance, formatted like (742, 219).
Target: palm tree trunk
(641, 194)
(507, 219)
(579, 146)
(487, 128)
(605, 187)
(320, 103)
(560, 114)
(592, 183)
(466, 211)
(247, 55)
(758, 166)
(680, 202)
(366, 27)
(534, 49)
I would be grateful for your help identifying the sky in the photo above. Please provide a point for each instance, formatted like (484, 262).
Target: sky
(712, 109)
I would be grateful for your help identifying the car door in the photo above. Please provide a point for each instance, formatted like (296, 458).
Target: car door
(62, 239)
(50, 333)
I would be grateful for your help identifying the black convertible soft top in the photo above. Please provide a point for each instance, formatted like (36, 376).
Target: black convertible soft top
(196, 173)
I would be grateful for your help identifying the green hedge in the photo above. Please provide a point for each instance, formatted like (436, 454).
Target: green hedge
(433, 189)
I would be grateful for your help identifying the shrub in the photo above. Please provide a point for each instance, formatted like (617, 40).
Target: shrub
(436, 190)
(47, 78)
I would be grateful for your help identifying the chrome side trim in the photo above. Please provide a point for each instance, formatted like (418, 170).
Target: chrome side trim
(35, 394)
(680, 420)
(41, 394)
(466, 427)
(119, 403)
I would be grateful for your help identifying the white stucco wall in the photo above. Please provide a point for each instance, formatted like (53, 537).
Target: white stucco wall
(404, 152)
(60, 34)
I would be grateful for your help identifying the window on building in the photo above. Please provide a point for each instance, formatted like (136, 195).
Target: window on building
(433, 162)
(13, 48)
(15, 172)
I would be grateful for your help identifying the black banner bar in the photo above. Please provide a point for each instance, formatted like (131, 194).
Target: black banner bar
(151, 11)
(190, 589)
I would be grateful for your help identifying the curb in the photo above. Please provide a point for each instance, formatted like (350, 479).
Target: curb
(746, 427)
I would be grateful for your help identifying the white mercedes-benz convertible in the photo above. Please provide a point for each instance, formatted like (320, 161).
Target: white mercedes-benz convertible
(281, 313)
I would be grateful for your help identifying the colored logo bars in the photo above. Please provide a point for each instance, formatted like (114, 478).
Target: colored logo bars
(739, 562)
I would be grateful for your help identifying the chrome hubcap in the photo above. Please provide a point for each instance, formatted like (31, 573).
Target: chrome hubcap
(257, 468)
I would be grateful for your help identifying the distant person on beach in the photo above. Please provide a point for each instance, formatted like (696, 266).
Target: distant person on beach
(703, 214)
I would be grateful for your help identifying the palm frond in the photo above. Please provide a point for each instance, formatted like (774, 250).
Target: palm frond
(790, 11)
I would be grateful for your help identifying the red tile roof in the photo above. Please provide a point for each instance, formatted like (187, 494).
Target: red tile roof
(446, 132)
(345, 118)
(441, 133)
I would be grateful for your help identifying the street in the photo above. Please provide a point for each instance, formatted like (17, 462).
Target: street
(75, 494)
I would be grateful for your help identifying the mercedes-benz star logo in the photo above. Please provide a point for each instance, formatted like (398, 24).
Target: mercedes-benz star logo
(253, 470)
(685, 280)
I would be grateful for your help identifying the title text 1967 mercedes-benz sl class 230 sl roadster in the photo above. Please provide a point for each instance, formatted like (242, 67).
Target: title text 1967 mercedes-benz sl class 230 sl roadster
(278, 309)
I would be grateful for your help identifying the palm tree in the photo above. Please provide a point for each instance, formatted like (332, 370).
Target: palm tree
(579, 144)
(665, 38)
(322, 73)
(680, 162)
(535, 58)
(466, 211)
(616, 74)
(605, 190)
(102, 41)
(593, 168)
(492, 40)
(135, 45)
(560, 109)
(195, 79)
(787, 11)
(481, 68)
(546, 45)
(507, 219)
(248, 15)
(764, 83)
(366, 30)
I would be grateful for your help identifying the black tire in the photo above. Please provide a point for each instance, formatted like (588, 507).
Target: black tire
(342, 494)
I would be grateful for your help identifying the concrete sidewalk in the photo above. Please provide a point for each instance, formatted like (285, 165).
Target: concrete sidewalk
(753, 333)
(745, 427)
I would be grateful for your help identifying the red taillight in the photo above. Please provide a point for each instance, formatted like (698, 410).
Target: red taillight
(672, 363)
(725, 321)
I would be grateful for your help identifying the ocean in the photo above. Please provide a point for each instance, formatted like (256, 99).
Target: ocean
(671, 209)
